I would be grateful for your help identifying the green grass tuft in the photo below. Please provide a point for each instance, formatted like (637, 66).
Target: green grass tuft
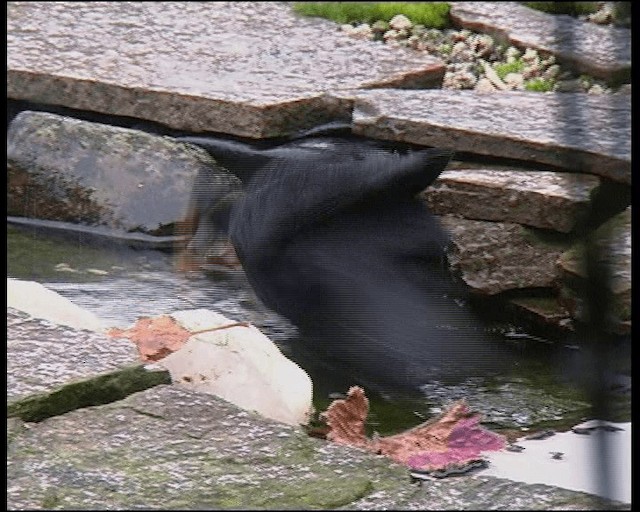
(429, 14)
(505, 68)
(539, 85)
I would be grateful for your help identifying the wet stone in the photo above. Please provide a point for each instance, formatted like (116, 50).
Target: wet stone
(252, 69)
(492, 257)
(577, 132)
(52, 369)
(543, 199)
(545, 310)
(65, 169)
(603, 52)
(614, 240)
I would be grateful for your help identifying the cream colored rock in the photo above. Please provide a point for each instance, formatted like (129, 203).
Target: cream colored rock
(241, 365)
(40, 302)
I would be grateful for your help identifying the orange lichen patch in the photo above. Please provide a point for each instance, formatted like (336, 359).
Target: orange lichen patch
(156, 337)
(454, 438)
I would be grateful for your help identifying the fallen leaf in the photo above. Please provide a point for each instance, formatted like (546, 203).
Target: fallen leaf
(346, 418)
(156, 337)
(453, 439)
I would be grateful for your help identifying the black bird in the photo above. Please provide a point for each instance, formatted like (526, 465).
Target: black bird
(331, 235)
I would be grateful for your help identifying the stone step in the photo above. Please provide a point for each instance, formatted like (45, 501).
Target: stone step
(603, 52)
(493, 257)
(544, 199)
(573, 131)
(252, 69)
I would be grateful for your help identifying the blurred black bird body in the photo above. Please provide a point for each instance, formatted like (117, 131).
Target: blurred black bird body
(331, 235)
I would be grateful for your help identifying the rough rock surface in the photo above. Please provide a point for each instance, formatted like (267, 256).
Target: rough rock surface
(614, 237)
(577, 132)
(542, 199)
(172, 448)
(546, 310)
(66, 169)
(604, 52)
(240, 364)
(253, 69)
(52, 369)
(492, 257)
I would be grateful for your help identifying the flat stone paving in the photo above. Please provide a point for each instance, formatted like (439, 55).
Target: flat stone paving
(247, 68)
(256, 69)
(604, 52)
(50, 368)
(171, 448)
(573, 131)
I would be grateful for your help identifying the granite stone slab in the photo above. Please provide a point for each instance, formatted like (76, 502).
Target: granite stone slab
(174, 449)
(601, 51)
(52, 369)
(571, 131)
(544, 199)
(253, 69)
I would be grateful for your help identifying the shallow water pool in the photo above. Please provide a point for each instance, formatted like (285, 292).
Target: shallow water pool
(120, 284)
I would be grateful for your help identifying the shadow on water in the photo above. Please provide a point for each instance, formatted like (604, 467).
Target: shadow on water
(120, 284)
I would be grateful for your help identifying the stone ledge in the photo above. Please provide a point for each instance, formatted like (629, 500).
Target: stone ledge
(604, 52)
(543, 199)
(253, 69)
(577, 132)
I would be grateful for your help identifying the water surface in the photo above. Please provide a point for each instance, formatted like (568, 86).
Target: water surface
(120, 284)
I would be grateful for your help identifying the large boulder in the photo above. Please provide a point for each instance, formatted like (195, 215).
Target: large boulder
(65, 169)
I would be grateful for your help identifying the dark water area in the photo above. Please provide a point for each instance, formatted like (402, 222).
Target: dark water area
(119, 284)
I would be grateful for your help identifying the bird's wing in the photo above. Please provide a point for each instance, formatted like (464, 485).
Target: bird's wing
(291, 194)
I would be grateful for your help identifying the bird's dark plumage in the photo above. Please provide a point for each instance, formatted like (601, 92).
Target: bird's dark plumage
(331, 235)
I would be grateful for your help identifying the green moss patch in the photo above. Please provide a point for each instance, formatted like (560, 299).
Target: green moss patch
(98, 390)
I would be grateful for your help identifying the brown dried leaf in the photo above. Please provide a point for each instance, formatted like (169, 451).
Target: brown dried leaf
(156, 337)
(346, 418)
